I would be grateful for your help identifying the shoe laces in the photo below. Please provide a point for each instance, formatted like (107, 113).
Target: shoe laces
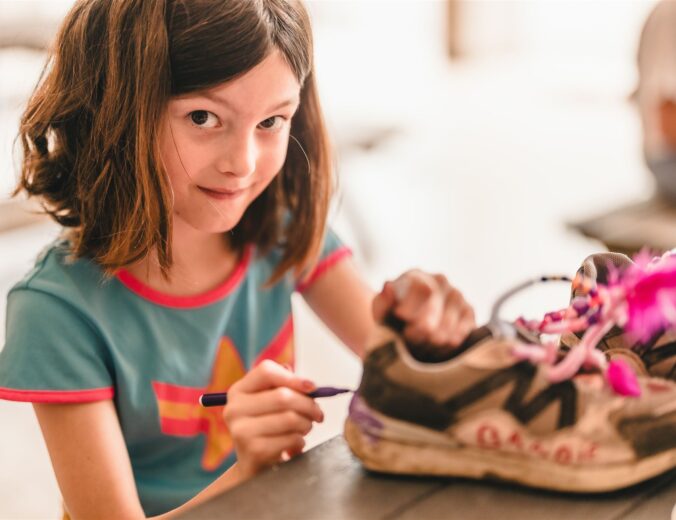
(640, 299)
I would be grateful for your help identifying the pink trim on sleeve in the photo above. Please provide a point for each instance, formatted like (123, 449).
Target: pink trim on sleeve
(324, 265)
(57, 396)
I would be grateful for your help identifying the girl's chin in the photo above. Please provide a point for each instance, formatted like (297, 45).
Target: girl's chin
(218, 229)
(212, 227)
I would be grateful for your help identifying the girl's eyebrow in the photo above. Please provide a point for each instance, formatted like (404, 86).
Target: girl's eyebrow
(287, 103)
(223, 101)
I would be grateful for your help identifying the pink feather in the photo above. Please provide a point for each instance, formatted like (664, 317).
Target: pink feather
(622, 379)
(650, 287)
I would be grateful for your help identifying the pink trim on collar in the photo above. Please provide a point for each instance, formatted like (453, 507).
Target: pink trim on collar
(57, 396)
(188, 302)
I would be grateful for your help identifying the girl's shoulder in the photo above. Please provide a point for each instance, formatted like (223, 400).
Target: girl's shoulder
(53, 347)
(332, 250)
(58, 273)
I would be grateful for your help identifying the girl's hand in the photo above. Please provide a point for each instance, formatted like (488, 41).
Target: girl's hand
(268, 414)
(435, 312)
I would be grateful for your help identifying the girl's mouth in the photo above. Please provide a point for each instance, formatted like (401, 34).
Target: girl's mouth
(221, 194)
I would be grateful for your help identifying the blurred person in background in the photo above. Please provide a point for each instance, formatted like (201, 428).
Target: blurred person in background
(656, 96)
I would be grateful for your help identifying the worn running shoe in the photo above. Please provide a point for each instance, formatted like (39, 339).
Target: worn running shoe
(498, 407)
(655, 356)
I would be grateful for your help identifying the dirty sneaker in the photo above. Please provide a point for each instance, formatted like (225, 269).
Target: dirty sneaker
(500, 406)
(654, 356)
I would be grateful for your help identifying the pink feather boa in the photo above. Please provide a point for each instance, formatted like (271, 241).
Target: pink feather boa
(649, 287)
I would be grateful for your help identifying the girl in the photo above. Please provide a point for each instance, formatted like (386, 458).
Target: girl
(181, 146)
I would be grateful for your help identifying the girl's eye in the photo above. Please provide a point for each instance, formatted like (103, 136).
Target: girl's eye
(203, 119)
(272, 123)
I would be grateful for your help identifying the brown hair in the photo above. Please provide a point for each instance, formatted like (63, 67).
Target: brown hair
(90, 130)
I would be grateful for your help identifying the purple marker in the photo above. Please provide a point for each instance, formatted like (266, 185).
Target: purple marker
(221, 399)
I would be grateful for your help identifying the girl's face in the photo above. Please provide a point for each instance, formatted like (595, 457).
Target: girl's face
(223, 146)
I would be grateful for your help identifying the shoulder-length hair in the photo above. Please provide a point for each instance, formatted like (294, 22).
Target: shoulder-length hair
(90, 130)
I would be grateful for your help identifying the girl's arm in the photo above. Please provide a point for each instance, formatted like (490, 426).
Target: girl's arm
(343, 301)
(92, 466)
(90, 459)
(267, 414)
(434, 311)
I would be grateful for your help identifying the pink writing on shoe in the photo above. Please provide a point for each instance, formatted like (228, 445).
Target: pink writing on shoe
(488, 436)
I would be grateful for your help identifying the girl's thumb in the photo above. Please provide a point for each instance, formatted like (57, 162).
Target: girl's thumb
(383, 302)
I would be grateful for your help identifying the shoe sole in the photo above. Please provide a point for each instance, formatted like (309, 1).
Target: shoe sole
(389, 456)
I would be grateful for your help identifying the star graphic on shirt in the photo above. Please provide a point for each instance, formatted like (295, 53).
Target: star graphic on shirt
(179, 409)
(181, 414)
(228, 368)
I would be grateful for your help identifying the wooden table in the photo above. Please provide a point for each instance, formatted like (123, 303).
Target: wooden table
(328, 483)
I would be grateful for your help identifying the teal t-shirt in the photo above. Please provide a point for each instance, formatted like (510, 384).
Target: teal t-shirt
(74, 337)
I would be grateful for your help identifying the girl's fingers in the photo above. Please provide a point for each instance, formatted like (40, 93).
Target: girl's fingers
(270, 425)
(409, 297)
(383, 302)
(434, 311)
(268, 414)
(456, 323)
(425, 314)
(293, 452)
(413, 291)
(466, 324)
(403, 296)
(273, 401)
(265, 451)
(453, 309)
(269, 374)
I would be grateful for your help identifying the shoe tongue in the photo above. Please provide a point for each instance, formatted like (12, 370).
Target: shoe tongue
(597, 266)
(427, 353)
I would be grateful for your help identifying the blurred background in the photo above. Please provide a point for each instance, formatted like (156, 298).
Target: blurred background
(470, 134)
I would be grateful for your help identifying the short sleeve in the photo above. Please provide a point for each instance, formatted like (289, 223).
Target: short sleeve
(52, 352)
(333, 251)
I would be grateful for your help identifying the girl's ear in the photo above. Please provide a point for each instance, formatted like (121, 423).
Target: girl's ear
(667, 121)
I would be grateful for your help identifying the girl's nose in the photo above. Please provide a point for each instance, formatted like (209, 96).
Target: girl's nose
(239, 156)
